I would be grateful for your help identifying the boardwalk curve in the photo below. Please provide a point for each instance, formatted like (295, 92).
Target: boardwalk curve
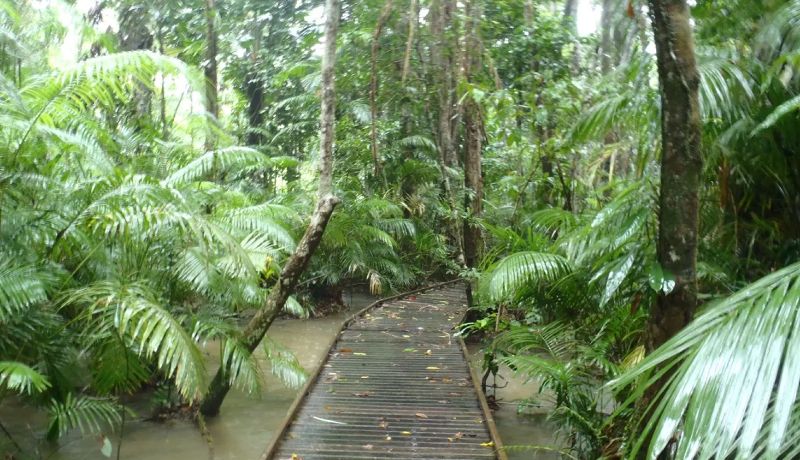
(395, 384)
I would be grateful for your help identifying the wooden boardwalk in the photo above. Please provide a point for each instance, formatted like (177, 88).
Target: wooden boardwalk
(396, 384)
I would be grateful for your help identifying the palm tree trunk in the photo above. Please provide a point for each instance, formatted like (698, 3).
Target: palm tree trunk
(681, 167)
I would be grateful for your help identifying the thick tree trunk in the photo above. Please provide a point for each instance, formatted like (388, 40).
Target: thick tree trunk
(293, 269)
(681, 167)
(373, 87)
(210, 72)
(442, 66)
(473, 123)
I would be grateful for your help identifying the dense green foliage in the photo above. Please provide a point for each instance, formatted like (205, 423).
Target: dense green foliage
(136, 229)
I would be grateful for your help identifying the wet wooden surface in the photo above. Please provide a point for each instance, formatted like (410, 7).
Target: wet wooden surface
(395, 385)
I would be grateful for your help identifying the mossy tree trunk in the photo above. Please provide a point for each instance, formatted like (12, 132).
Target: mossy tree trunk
(681, 167)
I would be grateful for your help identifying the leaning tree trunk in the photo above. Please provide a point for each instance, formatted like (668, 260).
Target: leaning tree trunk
(287, 281)
(681, 167)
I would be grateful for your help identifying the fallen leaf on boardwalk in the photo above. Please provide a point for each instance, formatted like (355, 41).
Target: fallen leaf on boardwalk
(296, 457)
(358, 353)
(345, 350)
(428, 353)
(432, 368)
(365, 376)
(487, 444)
(406, 336)
(362, 394)
(388, 438)
(456, 437)
(421, 415)
(447, 380)
(367, 446)
(383, 424)
(410, 350)
(407, 433)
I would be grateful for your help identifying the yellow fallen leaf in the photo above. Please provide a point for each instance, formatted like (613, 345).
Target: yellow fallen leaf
(432, 368)
(487, 444)
(421, 415)
(358, 353)
(428, 353)
(407, 433)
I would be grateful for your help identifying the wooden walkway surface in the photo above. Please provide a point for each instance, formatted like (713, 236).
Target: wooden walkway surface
(396, 384)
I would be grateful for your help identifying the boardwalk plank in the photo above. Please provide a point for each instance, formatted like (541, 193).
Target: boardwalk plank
(396, 384)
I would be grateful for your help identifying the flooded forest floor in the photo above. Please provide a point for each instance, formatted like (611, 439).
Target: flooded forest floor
(248, 423)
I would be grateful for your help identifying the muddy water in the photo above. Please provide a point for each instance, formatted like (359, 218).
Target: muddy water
(249, 422)
(526, 433)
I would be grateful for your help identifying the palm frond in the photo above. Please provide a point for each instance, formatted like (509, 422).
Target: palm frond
(20, 287)
(732, 377)
(284, 364)
(137, 315)
(523, 268)
(89, 415)
(19, 378)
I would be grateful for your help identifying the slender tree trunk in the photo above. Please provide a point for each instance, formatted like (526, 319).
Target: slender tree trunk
(413, 16)
(254, 90)
(135, 35)
(529, 11)
(210, 72)
(570, 22)
(606, 38)
(255, 330)
(373, 86)
(681, 167)
(407, 186)
(327, 117)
